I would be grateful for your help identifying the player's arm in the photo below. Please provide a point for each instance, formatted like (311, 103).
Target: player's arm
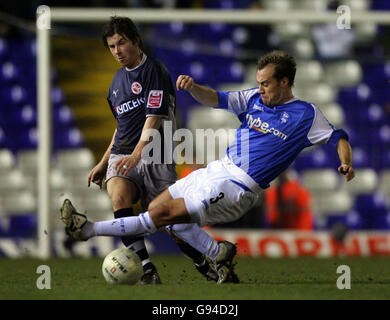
(345, 154)
(202, 94)
(96, 175)
(131, 160)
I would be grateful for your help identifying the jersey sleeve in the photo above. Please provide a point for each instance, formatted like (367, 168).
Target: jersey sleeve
(235, 101)
(158, 96)
(322, 131)
(110, 103)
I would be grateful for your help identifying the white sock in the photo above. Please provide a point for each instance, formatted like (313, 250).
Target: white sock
(128, 226)
(196, 237)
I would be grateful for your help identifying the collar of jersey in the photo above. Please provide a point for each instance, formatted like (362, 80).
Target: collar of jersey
(142, 62)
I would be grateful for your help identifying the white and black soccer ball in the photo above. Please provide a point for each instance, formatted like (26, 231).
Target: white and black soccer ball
(122, 266)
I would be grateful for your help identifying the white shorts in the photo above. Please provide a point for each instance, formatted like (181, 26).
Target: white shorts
(212, 195)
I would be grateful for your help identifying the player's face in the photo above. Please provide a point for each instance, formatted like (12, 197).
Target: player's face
(270, 88)
(124, 50)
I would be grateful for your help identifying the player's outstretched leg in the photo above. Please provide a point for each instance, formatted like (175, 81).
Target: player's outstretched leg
(224, 263)
(76, 224)
(79, 228)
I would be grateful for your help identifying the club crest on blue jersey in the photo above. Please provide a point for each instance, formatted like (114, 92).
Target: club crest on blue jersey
(136, 87)
(284, 118)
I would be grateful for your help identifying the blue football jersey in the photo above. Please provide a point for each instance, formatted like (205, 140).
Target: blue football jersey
(269, 139)
(135, 94)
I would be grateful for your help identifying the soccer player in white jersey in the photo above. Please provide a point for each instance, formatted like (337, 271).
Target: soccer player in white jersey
(276, 127)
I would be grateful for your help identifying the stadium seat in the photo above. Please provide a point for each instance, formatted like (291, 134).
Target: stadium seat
(174, 30)
(365, 32)
(376, 74)
(57, 96)
(317, 157)
(236, 86)
(383, 134)
(23, 225)
(371, 207)
(308, 72)
(25, 116)
(68, 138)
(319, 94)
(355, 96)
(14, 95)
(25, 139)
(11, 180)
(203, 118)
(320, 179)
(344, 73)
(19, 202)
(57, 180)
(77, 181)
(9, 72)
(329, 202)
(382, 161)
(63, 116)
(27, 161)
(75, 160)
(95, 202)
(240, 35)
(361, 159)
(354, 221)
(303, 48)
(365, 181)
(374, 114)
(334, 113)
(7, 160)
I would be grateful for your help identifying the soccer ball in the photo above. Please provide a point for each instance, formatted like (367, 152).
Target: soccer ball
(122, 266)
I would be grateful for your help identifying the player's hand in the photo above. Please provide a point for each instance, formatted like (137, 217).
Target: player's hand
(347, 170)
(125, 164)
(184, 82)
(97, 174)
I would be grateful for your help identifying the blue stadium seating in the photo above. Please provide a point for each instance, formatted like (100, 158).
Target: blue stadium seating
(380, 5)
(68, 138)
(371, 209)
(9, 72)
(23, 225)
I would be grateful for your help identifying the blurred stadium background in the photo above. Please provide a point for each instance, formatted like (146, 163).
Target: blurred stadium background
(345, 72)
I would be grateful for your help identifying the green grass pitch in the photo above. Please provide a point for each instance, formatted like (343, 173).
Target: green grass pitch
(261, 279)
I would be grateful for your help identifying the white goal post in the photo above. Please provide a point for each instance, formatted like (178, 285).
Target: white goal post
(46, 16)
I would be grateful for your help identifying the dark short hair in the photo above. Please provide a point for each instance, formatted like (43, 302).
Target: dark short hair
(123, 26)
(285, 65)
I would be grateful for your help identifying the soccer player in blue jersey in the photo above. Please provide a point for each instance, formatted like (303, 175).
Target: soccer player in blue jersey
(141, 97)
(276, 127)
